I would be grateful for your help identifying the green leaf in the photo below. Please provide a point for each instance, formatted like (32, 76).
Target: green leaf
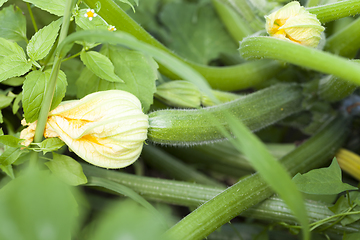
(2, 2)
(322, 181)
(128, 220)
(67, 169)
(196, 33)
(100, 65)
(37, 206)
(8, 47)
(137, 70)
(72, 68)
(56, 7)
(42, 41)
(84, 22)
(50, 145)
(352, 236)
(8, 169)
(5, 101)
(10, 155)
(13, 23)
(60, 88)
(14, 82)
(343, 204)
(13, 66)
(33, 92)
(11, 141)
(16, 104)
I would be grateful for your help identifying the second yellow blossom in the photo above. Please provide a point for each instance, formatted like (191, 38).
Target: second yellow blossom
(292, 22)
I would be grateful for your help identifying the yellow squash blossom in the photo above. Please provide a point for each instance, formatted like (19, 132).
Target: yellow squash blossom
(292, 22)
(105, 128)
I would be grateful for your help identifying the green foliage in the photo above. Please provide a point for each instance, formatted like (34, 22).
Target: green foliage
(322, 181)
(49, 145)
(136, 69)
(36, 205)
(33, 92)
(10, 141)
(129, 3)
(41, 43)
(128, 220)
(100, 65)
(13, 23)
(56, 7)
(10, 155)
(13, 62)
(345, 204)
(67, 169)
(196, 33)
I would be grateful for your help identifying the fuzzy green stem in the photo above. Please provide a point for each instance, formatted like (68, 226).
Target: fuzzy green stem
(335, 11)
(345, 42)
(333, 89)
(253, 189)
(223, 78)
(32, 17)
(273, 48)
(174, 168)
(235, 24)
(257, 110)
(49, 91)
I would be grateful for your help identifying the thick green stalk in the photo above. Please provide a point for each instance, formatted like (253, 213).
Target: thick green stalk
(257, 110)
(333, 89)
(162, 190)
(245, 9)
(49, 92)
(235, 24)
(273, 48)
(337, 10)
(345, 42)
(223, 78)
(252, 190)
(173, 167)
(274, 209)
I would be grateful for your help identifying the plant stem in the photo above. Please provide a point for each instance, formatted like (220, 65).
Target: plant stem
(257, 110)
(237, 26)
(174, 168)
(334, 11)
(49, 91)
(32, 17)
(253, 189)
(269, 47)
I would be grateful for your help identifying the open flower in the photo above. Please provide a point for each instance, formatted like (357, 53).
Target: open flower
(90, 13)
(105, 128)
(111, 28)
(292, 22)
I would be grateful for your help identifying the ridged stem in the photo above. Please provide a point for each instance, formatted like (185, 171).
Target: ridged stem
(273, 48)
(173, 167)
(257, 110)
(337, 10)
(253, 189)
(333, 89)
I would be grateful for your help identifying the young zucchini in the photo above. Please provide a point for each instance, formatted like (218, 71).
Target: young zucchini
(256, 111)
